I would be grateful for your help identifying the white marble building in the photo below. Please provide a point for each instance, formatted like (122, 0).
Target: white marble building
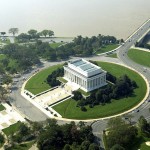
(87, 75)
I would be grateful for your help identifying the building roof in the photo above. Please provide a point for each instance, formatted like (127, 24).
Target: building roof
(85, 67)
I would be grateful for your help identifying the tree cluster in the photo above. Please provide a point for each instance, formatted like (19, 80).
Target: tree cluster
(122, 87)
(79, 47)
(22, 55)
(86, 46)
(50, 136)
(144, 126)
(120, 135)
(52, 78)
(24, 133)
(66, 137)
(33, 35)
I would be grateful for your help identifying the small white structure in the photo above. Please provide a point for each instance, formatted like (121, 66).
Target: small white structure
(87, 75)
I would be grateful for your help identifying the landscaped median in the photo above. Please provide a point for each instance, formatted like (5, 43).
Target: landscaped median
(68, 109)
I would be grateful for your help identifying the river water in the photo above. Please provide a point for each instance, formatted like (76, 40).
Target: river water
(75, 17)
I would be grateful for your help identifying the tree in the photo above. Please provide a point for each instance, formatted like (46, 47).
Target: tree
(45, 32)
(23, 37)
(144, 126)
(120, 133)
(50, 33)
(7, 79)
(115, 122)
(24, 129)
(2, 139)
(93, 146)
(67, 147)
(117, 147)
(3, 93)
(2, 33)
(85, 145)
(13, 31)
(33, 33)
(77, 95)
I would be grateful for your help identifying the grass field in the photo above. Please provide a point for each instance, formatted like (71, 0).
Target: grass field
(112, 55)
(61, 79)
(1, 107)
(106, 48)
(55, 45)
(68, 108)
(37, 83)
(12, 129)
(140, 57)
(24, 146)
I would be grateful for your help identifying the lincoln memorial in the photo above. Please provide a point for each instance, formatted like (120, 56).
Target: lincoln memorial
(85, 74)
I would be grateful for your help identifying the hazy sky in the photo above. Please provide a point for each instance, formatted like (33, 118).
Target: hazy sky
(75, 17)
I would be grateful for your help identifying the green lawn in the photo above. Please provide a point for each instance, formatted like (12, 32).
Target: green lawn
(106, 48)
(55, 45)
(37, 83)
(12, 129)
(68, 108)
(61, 79)
(25, 146)
(140, 57)
(112, 55)
(1, 107)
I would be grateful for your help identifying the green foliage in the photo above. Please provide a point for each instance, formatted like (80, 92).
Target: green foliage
(77, 95)
(23, 37)
(66, 137)
(121, 133)
(117, 147)
(144, 126)
(2, 139)
(52, 78)
(13, 31)
(123, 87)
(3, 94)
(93, 146)
(23, 55)
(33, 34)
(2, 107)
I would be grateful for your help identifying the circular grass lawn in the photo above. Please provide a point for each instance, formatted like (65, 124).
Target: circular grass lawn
(140, 57)
(69, 110)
